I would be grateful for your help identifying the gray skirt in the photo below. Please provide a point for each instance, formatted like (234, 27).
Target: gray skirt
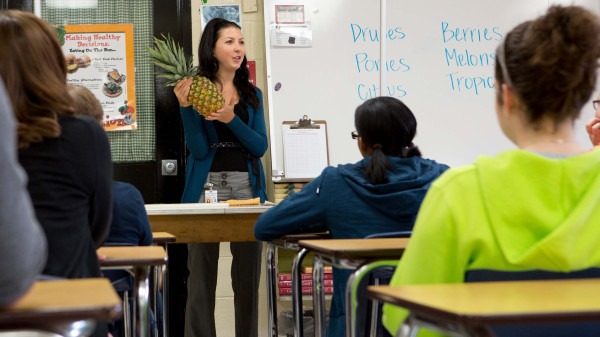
(229, 185)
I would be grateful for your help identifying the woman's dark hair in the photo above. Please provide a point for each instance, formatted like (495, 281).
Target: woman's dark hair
(551, 62)
(208, 64)
(388, 126)
(34, 70)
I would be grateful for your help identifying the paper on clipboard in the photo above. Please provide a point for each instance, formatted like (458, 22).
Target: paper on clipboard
(304, 150)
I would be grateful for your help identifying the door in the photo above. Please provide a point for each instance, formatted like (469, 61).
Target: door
(138, 155)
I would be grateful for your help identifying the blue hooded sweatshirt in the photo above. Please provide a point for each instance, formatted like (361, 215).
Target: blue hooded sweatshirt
(342, 201)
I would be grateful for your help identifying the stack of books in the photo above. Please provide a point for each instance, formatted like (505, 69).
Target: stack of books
(283, 190)
(285, 281)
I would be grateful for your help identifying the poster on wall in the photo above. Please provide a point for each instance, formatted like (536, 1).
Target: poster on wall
(100, 58)
(227, 12)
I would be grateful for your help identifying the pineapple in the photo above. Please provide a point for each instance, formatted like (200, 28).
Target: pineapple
(204, 96)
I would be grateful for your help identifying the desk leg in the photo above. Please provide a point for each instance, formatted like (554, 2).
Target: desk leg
(351, 288)
(140, 298)
(155, 279)
(407, 328)
(297, 313)
(271, 288)
(318, 297)
(165, 294)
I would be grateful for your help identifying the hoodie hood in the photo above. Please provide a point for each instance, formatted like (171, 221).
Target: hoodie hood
(546, 213)
(399, 198)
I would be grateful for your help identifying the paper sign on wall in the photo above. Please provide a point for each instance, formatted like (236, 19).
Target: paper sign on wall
(100, 58)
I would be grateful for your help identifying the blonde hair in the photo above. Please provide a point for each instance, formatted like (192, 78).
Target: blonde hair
(85, 103)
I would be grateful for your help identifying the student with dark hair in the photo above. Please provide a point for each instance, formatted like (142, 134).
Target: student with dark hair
(535, 207)
(130, 225)
(225, 150)
(381, 193)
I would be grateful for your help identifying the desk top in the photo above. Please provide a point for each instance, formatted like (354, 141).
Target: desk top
(201, 208)
(65, 300)
(357, 248)
(498, 302)
(132, 256)
(163, 237)
(294, 238)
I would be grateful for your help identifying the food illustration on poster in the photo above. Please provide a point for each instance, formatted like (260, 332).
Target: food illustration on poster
(100, 58)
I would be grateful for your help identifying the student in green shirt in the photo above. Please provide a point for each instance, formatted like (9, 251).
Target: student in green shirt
(535, 207)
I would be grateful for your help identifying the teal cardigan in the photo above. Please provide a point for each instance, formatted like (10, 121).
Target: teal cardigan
(199, 133)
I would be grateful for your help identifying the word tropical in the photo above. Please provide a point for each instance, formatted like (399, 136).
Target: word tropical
(469, 35)
(470, 83)
(366, 64)
(366, 91)
(366, 34)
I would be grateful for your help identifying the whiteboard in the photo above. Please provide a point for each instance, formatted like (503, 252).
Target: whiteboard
(435, 53)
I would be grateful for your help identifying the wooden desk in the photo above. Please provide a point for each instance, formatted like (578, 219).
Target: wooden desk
(474, 306)
(161, 239)
(140, 259)
(360, 255)
(289, 242)
(205, 222)
(53, 305)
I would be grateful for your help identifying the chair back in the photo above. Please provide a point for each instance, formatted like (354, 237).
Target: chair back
(367, 316)
(550, 329)
(399, 234)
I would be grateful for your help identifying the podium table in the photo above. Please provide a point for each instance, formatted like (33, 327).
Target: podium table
(198, 222)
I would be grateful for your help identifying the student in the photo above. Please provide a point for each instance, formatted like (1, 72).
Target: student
(535, 207)
(130, 224)
(593, 126)
(225, 150)
(381, 193)
(67, 158)
(23, 246)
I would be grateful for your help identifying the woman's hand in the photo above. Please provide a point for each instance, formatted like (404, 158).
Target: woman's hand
(225, 114)
(593, 129)
(182, 89)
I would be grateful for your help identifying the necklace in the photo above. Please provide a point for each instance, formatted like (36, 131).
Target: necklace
(553, 141)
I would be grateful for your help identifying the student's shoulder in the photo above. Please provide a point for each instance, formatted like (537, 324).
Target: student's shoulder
(82, 125)
(123, 188)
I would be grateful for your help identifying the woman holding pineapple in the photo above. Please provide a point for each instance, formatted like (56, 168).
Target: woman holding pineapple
(225, 149)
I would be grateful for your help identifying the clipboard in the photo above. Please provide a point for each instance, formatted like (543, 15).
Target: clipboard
(305, 148)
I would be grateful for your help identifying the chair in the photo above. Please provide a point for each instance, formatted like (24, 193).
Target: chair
(551, 329)
(379, 275)
(122, 281)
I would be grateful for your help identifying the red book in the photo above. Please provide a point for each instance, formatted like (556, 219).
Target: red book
(305, 290)
(288, 277)
(304, 283)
